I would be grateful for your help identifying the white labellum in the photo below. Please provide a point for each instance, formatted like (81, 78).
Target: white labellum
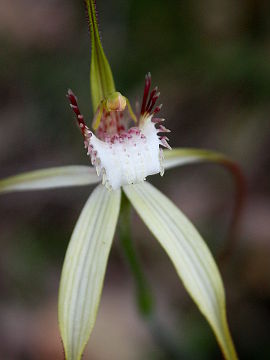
(127, 158)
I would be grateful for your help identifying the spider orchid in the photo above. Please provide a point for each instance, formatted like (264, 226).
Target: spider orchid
(123, 156)
(120, 155)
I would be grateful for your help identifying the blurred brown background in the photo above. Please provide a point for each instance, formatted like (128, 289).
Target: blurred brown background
(211, 60)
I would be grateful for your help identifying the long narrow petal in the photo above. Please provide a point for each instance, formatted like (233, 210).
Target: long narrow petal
(182, 156)
(84, 269)
(189, 254)
(63, 176)
(101, 78)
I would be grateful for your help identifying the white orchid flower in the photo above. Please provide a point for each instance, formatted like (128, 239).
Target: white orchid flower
(123, 157)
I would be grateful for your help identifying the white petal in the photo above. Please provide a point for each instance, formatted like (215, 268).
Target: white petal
(56, 177)
(189, 254)
(84, 268)
(182, 156)
(127, 158)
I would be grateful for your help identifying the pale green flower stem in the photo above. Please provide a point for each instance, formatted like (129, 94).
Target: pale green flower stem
(144, 296)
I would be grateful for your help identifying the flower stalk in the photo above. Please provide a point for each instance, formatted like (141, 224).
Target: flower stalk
(144, 295)
(145, 299)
